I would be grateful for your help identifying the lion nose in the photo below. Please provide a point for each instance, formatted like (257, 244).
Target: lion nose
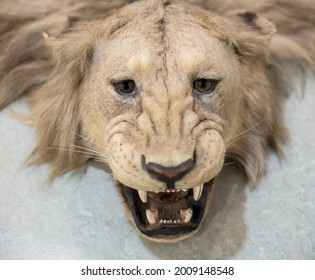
(168, 173)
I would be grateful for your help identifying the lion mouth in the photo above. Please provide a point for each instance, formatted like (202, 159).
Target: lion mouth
(170, 214)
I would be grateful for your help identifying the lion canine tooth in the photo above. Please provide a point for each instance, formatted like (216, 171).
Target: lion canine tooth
(198, 192)
(186, 214)
(151, 215)
(143, 196)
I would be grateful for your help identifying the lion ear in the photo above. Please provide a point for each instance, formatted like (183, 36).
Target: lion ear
(258, 23)
(55, 29)
(248, 33)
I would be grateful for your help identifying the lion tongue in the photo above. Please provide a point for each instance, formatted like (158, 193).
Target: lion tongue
(168, 208)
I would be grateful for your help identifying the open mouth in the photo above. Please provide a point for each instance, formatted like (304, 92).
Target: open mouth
(168, 214)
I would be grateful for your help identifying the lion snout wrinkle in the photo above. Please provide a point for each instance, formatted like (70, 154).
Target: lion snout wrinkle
(167, 128)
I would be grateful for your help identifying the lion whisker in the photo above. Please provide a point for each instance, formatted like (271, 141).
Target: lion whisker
(87, 149)
(241, 135)
(100, 160)
(94, 153)
(103, 147)
(229, 163)
(71, 150)
(235, 140)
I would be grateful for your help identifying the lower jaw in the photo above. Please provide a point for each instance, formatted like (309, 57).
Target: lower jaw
(169, 232)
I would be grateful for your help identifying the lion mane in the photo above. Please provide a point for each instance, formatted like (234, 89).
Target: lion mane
(48, 55)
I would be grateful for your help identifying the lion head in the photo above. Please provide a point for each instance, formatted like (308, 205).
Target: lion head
(163, 93)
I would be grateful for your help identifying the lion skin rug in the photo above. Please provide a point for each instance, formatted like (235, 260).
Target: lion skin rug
(187, 123)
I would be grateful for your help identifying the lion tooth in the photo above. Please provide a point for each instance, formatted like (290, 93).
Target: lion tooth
(198, 192)
(151, 215)
(183, 190)
(143, 196)
(186, 214)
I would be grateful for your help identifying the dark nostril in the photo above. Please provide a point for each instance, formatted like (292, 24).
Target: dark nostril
(168, 173)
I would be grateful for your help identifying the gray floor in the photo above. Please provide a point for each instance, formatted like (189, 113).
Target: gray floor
(83, 217)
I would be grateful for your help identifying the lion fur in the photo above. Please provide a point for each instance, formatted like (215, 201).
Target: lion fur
(50, 70)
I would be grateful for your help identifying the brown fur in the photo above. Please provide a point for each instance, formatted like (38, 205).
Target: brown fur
(54, 70)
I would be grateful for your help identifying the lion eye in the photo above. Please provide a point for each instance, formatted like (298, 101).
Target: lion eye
(127, 87)
(205, 85)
